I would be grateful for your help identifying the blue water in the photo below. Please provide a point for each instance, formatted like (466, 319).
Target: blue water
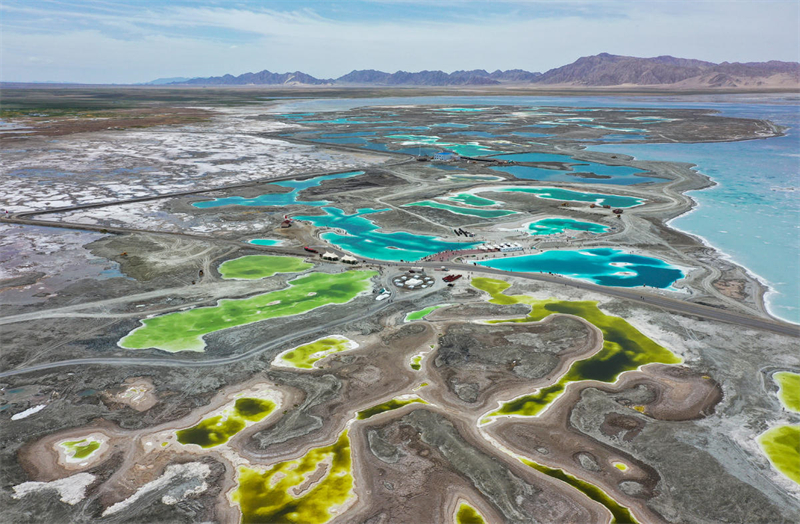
(279, 199)
(619, 175)
(617, 129)
(451, 124)
(363, 238)
(338, 135)
(773, 215)
(531, 135)
(616, 137)
(482, 134)
(746, 215)
(595, 265)
(446, 167)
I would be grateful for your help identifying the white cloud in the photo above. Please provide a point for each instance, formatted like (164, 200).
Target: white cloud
(205, 41)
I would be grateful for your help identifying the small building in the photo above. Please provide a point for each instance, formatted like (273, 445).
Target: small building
(330, 256)
(446, 156)
(347, 259)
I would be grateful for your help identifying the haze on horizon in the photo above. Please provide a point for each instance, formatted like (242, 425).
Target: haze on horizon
(137, 41)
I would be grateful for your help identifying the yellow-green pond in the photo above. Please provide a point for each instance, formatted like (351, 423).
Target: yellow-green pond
(305, 356)
(624, 347)
(468, 515)
(253, 267)
(789, 390)
(269, 496)
(219, 429)
(80, 449)
(782, 446)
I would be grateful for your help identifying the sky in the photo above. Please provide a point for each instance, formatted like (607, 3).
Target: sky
(130, 41)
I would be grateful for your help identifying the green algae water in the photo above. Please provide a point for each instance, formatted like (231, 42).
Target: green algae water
(80, 449)
(184, 330)
(789, 390)
(416, 362)
(422, 313)
(387, 406)
(620, 514)
(624, 347)
(305, 356)
(253, 267)
(468, 515)
(269, 496)
(219, 429)
(482, 213)
(782, 446)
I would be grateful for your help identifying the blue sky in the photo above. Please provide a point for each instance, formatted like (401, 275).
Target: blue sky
(130, 41)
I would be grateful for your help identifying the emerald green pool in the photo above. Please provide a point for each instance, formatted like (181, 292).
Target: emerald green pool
(624, 347)
(482, 213)
(252, 267)
(268, 495)
(219, 429)
(422, 313)
(184, 330)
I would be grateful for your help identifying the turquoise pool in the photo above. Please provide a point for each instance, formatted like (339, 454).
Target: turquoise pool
(266, 242)
(279, 199)
(552, 226)
(618, 175)
(468, 149)
(481, 213)
(471, 200)
(604, 266)
(555, 193)
(363, 238)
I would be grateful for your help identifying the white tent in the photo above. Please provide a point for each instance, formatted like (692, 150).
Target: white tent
(347, 259)
(330, 256)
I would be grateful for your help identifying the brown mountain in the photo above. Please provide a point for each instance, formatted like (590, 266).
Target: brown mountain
(603, 70)
(614, 70)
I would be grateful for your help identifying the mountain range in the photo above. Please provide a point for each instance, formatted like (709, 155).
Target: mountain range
(603, 70)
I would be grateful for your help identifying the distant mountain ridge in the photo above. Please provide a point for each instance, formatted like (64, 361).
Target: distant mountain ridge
(598, 70)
